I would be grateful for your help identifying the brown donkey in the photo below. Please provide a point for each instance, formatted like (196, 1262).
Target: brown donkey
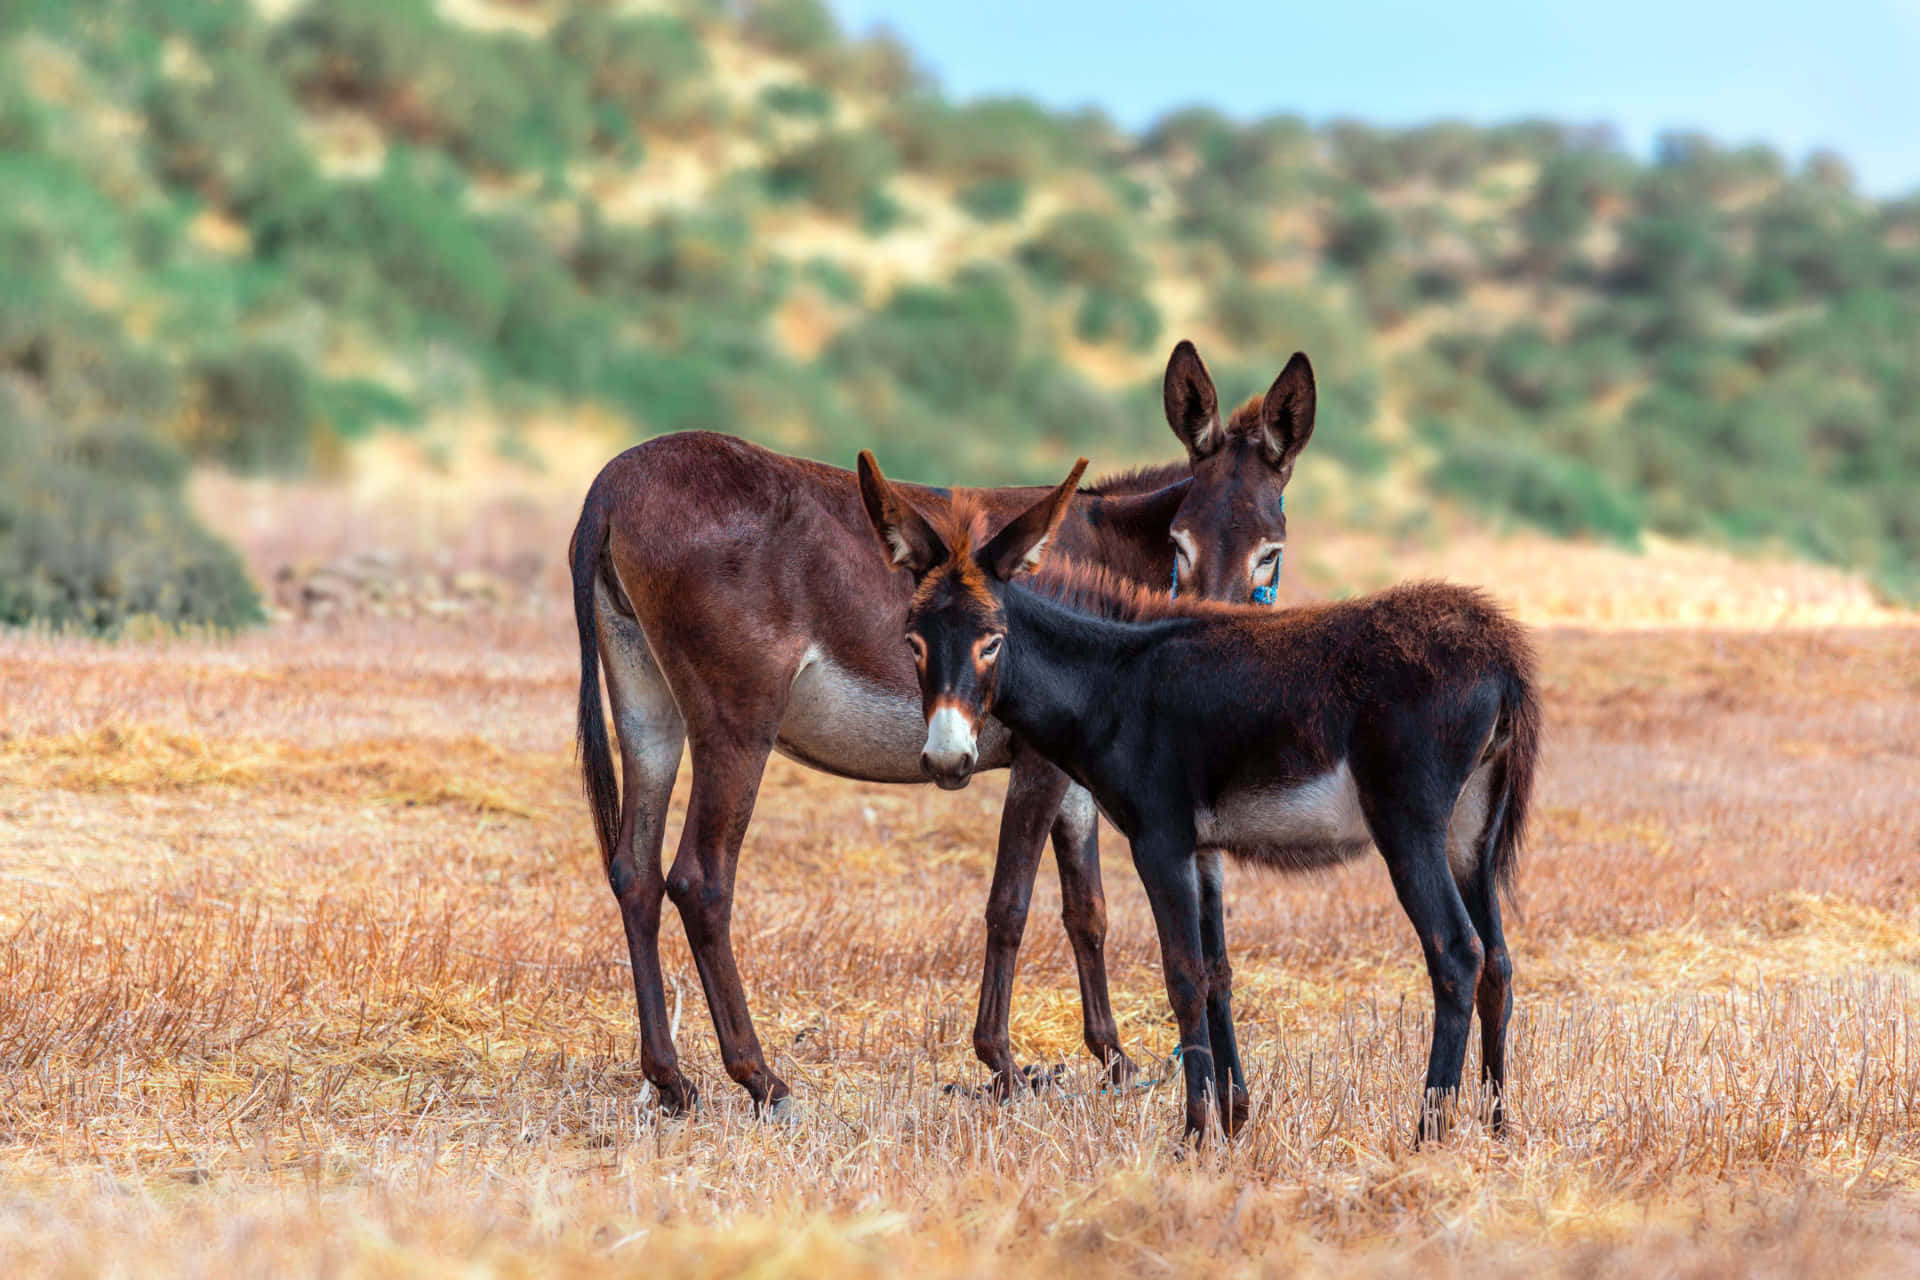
(733, 598)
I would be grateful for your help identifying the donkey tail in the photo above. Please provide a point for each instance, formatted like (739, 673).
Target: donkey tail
(1506, 833)
(596, 753)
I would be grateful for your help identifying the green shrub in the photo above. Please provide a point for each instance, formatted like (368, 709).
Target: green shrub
(797, 27)
(804, 101)
(1130, 319)
(650, 68)
(495, 102)
(838, 172)
(1559, 494)
(1359, 232)
(992, 138)
(994, 199)
(1209, 214)
(949, 346)
(93, 534)
(251, 407)
(233, 138)
(1086, 248)
(1561, 206)
(402, 238)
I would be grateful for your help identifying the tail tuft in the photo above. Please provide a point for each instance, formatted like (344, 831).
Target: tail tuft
(1522, 712)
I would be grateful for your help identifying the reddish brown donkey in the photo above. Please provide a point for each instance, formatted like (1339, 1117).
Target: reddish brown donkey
(734, 600)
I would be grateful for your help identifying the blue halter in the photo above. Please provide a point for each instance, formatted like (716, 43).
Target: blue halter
(1261, 595)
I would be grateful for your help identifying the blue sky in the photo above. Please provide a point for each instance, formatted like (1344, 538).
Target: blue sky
(1843, 74)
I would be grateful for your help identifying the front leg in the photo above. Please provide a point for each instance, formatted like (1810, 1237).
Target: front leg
(1168, 872)
(1034, 789)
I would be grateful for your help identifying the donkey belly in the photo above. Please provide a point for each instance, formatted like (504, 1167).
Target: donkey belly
(838, 722)
(1316, 823)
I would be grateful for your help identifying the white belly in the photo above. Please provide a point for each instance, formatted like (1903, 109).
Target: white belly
(840, 723)
(1312, 823)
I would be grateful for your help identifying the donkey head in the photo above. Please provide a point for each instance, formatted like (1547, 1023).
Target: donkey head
(1229, 532)
(956, 624)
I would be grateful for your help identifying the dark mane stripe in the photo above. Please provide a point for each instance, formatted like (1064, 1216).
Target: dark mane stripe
(1094, 589)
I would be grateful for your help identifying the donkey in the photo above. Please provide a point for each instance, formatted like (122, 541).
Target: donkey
(731, 597)
(1291, 738)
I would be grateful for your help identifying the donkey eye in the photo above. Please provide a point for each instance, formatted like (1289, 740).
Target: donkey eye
(919, 648)
(990, 650)
(1270, 555)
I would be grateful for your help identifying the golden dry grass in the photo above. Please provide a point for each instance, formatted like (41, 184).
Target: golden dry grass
(306, 965)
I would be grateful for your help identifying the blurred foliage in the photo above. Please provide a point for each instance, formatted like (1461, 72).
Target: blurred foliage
(1712, 343)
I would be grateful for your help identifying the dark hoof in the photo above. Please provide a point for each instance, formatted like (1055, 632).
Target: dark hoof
(1233, 1116)
(677, 1095)
(1004, 1087)
(1043, 1079)
(1121, 1073)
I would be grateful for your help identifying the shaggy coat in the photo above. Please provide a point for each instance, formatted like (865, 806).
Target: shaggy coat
(1405, 721)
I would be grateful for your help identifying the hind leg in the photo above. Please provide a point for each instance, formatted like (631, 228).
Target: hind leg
(725, 783)
(651, 735)
(1474, 818)
(1494, 995)
(1230, 1082)
(1413, 841)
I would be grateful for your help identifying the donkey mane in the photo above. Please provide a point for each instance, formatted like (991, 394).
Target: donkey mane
(1137, 480)
(1095, 589)
(1404, 617)
(1246, 419)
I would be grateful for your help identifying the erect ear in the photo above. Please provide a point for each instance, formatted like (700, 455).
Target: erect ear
(905, 536)
(1193, 408)
(1018, 547)
(1286, 415)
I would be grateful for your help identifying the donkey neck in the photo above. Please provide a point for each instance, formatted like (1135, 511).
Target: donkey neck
(1127, 532)
(1068, 679)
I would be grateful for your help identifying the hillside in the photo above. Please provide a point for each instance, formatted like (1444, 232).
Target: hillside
(254, 234)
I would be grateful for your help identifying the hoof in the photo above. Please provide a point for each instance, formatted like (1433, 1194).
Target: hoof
(1233, 1116)
(1039, 1079)
(677, 1095)
(1121, 1073)
(1035, 1079)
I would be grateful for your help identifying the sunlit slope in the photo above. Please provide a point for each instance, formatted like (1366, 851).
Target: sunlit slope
(255, 233)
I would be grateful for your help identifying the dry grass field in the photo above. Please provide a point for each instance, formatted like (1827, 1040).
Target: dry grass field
(307, 967)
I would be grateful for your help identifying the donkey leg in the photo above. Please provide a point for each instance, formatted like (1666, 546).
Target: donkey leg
(725, 783)
(1415, 847)
(1477, 818)
(651, 735)
(1229, 1080)
(1166, 866)
(1083, 908)
(1494, 995)
(1034, 788)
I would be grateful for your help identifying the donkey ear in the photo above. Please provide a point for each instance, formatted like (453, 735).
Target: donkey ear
(1019, 547)
(1193, 408)
(1286, 415)
(905, 536)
